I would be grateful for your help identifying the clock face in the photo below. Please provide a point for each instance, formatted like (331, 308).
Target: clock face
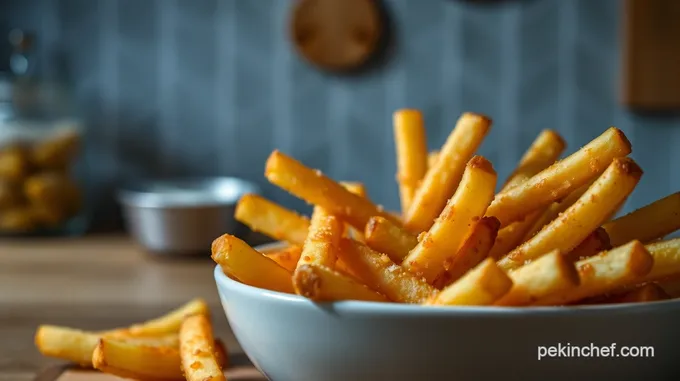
(336, 34)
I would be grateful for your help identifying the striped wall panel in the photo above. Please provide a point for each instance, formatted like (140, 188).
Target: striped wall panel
(210, 87)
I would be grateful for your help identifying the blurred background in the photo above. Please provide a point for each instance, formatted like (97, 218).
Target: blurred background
(171, 88)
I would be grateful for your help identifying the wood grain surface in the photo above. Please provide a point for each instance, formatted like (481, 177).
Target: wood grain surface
(90, 283)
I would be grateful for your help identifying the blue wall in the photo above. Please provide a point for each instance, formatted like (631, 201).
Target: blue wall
(171, 87)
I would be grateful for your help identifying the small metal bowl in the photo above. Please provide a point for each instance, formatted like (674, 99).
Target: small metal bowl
(183, 216)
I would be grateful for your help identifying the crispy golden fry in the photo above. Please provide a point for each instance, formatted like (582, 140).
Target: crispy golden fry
(131, 360)
(666, 256)
(322, 284)
(441, 180)
(249, 266)
(286, 258)
(542, 153)
(549, 275)
(481, 286)
(411, 149)
(462, 213)
(264, 216)
(596, 242)
(648, 292)
(512, 235)
(569, 229)
(385, 237)
(355, 187)
(555, 209)
(321, 245)
(360, 190)
(66, 343)
(561, 178)
(475, 248)
(315, 188)
(379, 273)
(168, 323)
(605, 272)
(432, 158)
(648, 223)
(77, 346)
(221, 354)
(342, 268)
(197, 351)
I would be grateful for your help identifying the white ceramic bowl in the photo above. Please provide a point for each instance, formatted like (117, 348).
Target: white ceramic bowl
(290, 338)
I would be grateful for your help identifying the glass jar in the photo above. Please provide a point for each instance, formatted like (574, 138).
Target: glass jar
(41, 190)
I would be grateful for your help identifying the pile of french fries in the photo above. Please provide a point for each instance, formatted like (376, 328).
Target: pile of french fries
(176, 346)
(548, 237)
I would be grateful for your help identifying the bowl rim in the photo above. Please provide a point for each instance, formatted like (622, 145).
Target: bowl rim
(224, 282)
(140, 193)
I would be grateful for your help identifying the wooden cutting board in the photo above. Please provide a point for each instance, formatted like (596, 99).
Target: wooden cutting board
(241, 370)
(68, 373)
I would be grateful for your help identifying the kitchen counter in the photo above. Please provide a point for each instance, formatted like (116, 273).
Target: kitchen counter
(94, 283)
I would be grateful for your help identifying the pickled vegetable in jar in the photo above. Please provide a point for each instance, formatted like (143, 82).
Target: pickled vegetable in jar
(38, 189)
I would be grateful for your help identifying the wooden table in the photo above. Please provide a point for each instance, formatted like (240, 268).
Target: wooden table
(90, 283)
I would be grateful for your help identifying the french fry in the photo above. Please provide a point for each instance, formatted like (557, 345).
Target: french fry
(596, 242)
(77, 346)
(548, 275)
(385, 237)
(322, 284)
(648, 223)
(249, 266)
(321, 245)
(315, 188)
(355, 187)
(648, 292)
(131, 360)
(441, 180)
(569, 229)
(512, 235)
(379, 273)
(606, 272)
(286, 258)
(462, 212)
(666, 256)
(432, 158)
(555, 209)
(342, 268)
(411, 149)
(475, 248)
(168, 323)
(561, 178)
(360, 190)
(615, 212)
(197, 352)
(542, 153)
(221, 354)
(481, 286)
(271, 219)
